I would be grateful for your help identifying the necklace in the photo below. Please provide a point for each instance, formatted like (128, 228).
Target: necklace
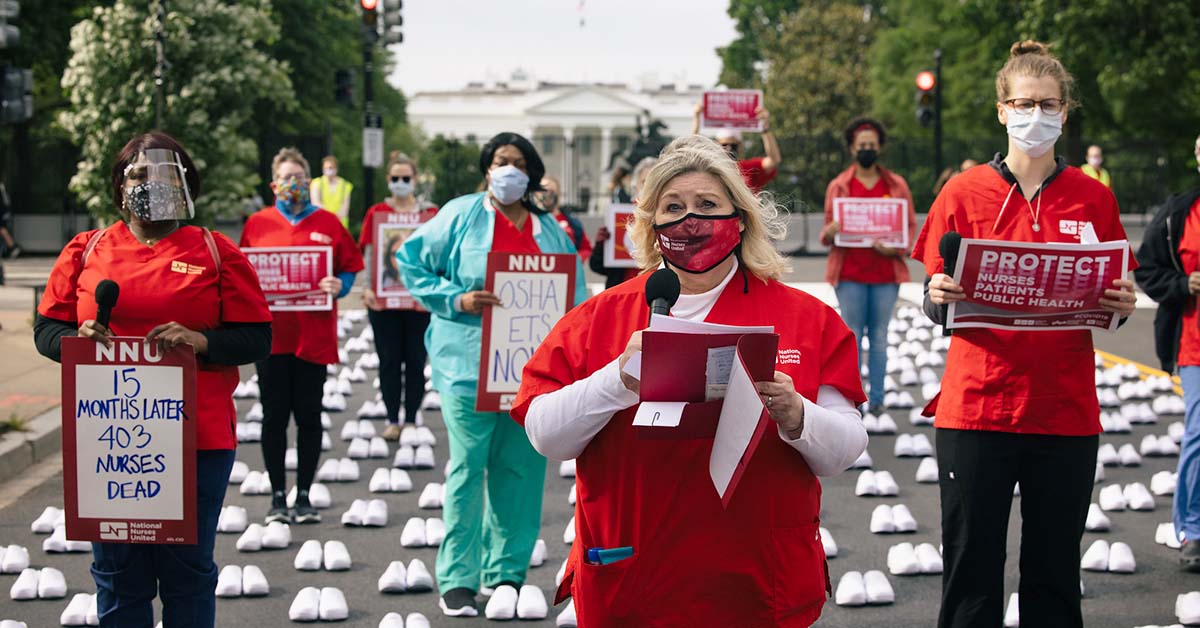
(1035, 214)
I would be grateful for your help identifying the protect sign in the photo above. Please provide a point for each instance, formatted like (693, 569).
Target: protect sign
(129, 441)
(734, 109)
(289, 276)
(862, 221)
(535, 291)
(1037, 286)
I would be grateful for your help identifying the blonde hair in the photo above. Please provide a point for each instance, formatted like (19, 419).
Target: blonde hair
(1033, 59)
(760, 215)
(289, 153)
(329, 159)
(398, 158)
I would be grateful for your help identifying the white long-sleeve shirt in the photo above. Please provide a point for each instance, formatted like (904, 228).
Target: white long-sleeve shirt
(560, 424)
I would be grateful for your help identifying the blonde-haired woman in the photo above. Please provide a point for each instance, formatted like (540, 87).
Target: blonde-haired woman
(1017, 406)
(692, 562)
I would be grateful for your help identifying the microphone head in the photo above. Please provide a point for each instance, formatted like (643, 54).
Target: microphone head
(948, 247)
(107, 292)
(663, 284)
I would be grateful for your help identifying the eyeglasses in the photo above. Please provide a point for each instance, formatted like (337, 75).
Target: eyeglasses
(406, 179)
(1026, 105)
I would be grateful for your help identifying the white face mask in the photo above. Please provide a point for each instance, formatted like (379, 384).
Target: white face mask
(331, 172)
(402, 189)
(1034, 133)
(507, 184)
(1095, 162)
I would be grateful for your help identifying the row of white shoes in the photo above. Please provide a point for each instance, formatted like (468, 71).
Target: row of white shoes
(325, 604)
(913, 446)
(80, 611)
(338, 470)
(13, 559)
(1133, 496)
(1187, 608)
(372, 409)
(58, 543)
(399, 579)
(432, 496)
(338, 386)
(913, 377)
(364, 513)
(420, 532)
(1163, 483)
(396, 620)
(50, 518)
(274, 535)
(507, 603)
(361, 448)
(46, 583)
(1114, 558)
(390, 481)
(419, 457)
(888, 519)
(334, 402)
(876, 484)
(858, 589)
(247, 390)
(566, 469)
(356, 375)
(905, 560)
(882, 424)
(1110, 456)
(899, 400)
(1165, 534)
(1158, 446)
(357, 345)
(1168, 404)
(333, 555)
(236, 581)
(917, 415)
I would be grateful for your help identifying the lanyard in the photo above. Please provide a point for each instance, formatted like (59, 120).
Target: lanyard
(1034, 214)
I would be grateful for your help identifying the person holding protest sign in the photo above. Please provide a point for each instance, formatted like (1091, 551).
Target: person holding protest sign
(867, 278)
(399, 333)
(614, 276)
(444, 266)
(292, 377)
(1169, 272)
(1018, 406)
(549, 201)
(215, 305)
(758, 171)
(654, 543)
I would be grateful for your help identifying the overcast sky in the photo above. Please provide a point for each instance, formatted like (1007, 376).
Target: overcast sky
(448, 43)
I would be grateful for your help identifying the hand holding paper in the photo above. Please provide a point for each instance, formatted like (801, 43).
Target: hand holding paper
(632, 350)
(943, 289)
(1122, 300)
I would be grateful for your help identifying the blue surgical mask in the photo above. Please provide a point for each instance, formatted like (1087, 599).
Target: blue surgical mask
(508, 184)
(400, 188)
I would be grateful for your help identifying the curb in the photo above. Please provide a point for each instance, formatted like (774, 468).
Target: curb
(22, 450)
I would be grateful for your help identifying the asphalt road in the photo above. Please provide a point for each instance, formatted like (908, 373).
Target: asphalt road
(1145, 597)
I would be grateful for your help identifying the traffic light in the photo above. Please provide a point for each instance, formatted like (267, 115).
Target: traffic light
(370, 20)
(926, 97)
(10, 36)
(16, 95)
(392, 21)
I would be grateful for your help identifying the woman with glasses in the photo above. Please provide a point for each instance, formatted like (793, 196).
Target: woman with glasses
(1018, 406)
(293, 377)
(399, 334)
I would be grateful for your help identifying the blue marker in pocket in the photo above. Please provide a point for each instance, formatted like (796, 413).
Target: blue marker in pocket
(601, 556)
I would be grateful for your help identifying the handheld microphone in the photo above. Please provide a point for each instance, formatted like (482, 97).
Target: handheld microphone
(948, 247)
(662, 291)
(107, 292)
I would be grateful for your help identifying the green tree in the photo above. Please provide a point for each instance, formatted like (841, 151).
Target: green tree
(220, 70)
(741, 59)
(454, 165)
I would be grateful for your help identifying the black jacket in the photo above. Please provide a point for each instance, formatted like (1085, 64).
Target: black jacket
(1160, 274)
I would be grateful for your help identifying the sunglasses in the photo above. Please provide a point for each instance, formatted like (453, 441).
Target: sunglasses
(405, 179)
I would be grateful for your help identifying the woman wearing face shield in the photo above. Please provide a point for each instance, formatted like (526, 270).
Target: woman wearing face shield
(293, 376)
(216, 307)
(399, 334)
(443, 264)
(689, 561)
(867, 280)
(1018, 406)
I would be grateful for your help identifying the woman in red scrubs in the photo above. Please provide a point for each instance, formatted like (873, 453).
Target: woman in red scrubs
(218, 310)
(1018, 406)
(691, 562)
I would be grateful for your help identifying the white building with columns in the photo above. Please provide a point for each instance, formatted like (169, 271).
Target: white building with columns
(576, 127)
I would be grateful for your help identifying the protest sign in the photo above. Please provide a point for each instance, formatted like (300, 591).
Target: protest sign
(391, 231)
(289, 276)
(733, 109)
(534, 291)
(1037, 286)
(618, 249)
(862, 221)
(129, 441)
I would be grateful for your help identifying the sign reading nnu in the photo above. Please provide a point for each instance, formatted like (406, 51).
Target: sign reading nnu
(534, 291)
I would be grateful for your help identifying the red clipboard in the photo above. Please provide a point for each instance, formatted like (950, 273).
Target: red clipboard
(129, 421)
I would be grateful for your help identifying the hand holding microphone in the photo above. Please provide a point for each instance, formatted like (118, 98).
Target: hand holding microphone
(107, 292)
(943, 290)
(662, 291)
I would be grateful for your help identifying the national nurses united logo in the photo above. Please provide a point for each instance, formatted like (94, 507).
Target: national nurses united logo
(788, 356)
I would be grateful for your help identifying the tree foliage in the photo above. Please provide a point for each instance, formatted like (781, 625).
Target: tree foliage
(455, 166)
(220, 71)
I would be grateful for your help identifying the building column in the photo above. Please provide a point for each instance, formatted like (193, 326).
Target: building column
(605, 147)
(568, 171)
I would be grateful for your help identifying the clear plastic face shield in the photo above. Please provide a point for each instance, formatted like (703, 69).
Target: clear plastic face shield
(156, 188)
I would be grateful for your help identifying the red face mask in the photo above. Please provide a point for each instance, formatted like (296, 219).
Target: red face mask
(697, 244)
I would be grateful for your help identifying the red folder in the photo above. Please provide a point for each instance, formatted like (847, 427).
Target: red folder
(758, 354)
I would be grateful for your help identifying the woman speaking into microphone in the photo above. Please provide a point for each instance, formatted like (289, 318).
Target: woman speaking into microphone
(216, 307)
(1018, 406)
(687, 560)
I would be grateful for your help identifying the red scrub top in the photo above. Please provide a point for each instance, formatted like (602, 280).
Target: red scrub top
(174, 280)
(506, 238)
(1026, 382)
(755, 175)
(1189, 254)
(310, 336)
(379, 211)
(867, 265)
(758, 562)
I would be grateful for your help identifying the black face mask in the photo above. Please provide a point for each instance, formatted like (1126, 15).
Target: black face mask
(866, 157)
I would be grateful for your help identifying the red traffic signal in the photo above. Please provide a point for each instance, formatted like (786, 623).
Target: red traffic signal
(925, 80)
(369, 5)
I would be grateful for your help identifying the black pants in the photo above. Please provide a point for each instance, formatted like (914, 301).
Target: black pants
(291, 387)
(977, 471)
(400, 343)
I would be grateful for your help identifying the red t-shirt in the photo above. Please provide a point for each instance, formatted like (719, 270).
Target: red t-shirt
(867, 265)
(154, 291)
(1189, 254)
(367, 236)
(756, 563)
(310, 336)
(507, 239)
(756, 177)
(1028, 382)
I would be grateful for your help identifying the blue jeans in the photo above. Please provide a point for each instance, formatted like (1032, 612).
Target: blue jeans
(867, 310)
(1187, 491)
(129, 576)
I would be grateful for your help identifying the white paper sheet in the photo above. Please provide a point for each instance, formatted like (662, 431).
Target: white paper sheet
(658, 322)
(633, 367)
(739, 418)
(659, 413)
(717, 368)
